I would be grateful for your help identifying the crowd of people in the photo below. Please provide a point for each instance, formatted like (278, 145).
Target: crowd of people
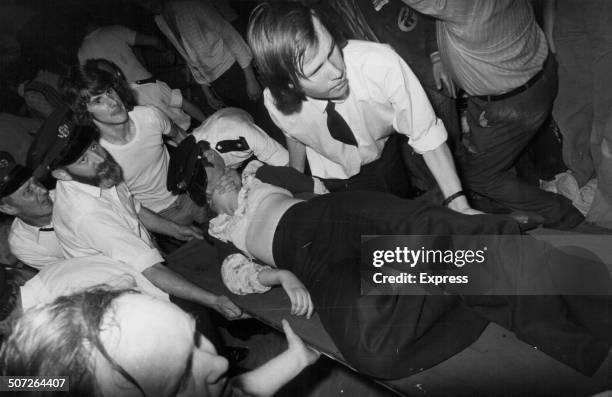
(320, 122)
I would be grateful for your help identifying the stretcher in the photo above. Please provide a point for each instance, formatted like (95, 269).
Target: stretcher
(496, 364)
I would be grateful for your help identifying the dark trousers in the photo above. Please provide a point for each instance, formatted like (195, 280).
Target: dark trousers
(393, 335)
(387, 174)
(499, 132)
(231, 87)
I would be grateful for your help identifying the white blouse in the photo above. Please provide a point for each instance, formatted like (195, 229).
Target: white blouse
(238, 272)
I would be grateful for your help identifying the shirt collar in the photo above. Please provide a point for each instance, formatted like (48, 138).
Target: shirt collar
(94, 191)
(321, 104)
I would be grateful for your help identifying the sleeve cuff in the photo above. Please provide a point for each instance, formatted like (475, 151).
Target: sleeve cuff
(144, 260)
(430, 139)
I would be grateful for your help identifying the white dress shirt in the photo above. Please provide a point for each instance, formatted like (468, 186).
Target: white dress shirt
(384, 96)
(233, 123)
(34, 246)
(90, 221)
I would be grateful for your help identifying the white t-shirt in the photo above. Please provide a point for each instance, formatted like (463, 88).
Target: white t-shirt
(73, 275)
(114, 43)
(145, 160)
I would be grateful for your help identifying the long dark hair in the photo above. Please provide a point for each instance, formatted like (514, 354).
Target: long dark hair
(84, 81)
(58, 339)
(279, 34)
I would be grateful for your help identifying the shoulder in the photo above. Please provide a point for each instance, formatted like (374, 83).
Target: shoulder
(73, 201)
(369, 55)
(19, 230)
(119, 30)
(149, 115)
(285, 121)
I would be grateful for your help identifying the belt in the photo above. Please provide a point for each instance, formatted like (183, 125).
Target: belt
(530, 83)
(151, 79)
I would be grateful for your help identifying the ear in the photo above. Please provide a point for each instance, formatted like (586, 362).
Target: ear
(8, 209)
(61, 174)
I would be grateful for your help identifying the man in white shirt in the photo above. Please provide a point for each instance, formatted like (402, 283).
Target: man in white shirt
(133, 135)
(95, 213)
(340, 107)
(31, 238)
(234, 135)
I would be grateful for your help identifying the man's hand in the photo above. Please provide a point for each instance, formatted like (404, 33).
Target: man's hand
(442, 78)
(253, 89)
(186, 232)
(301, 303)
(213, 101)
(297, 348)
(227, 308)
(470, 211)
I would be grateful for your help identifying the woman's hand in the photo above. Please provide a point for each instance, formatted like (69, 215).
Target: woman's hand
(301, 304)
(297, 348)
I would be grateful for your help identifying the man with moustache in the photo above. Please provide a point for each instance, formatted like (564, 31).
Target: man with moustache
(95, 213)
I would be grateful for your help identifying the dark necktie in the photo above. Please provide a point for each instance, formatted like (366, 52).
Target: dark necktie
(338, 128)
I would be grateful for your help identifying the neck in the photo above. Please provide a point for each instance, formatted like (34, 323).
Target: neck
(118, 134)
(37, 221)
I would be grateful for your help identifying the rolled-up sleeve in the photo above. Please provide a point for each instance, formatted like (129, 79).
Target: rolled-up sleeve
(239, 275)
(414, 115)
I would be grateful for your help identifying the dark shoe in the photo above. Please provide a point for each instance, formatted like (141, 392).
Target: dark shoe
(570, 220)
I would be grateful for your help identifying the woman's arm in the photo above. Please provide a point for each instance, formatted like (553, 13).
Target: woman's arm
(270, 377)
(301, 303)
(242, 276)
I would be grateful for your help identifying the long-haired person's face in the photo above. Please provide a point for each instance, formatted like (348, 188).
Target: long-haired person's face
(323, 68)
(158, 345)
(107, 108)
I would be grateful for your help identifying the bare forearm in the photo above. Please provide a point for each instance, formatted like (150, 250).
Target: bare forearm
(270, 377)
(155, 223)
(440, 163)
(174, 284)
(297, 154)
(270, 277)
(249, 74)
(549, 14)
(193, 111)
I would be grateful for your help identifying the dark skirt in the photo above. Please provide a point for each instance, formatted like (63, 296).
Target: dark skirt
(393, 336)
